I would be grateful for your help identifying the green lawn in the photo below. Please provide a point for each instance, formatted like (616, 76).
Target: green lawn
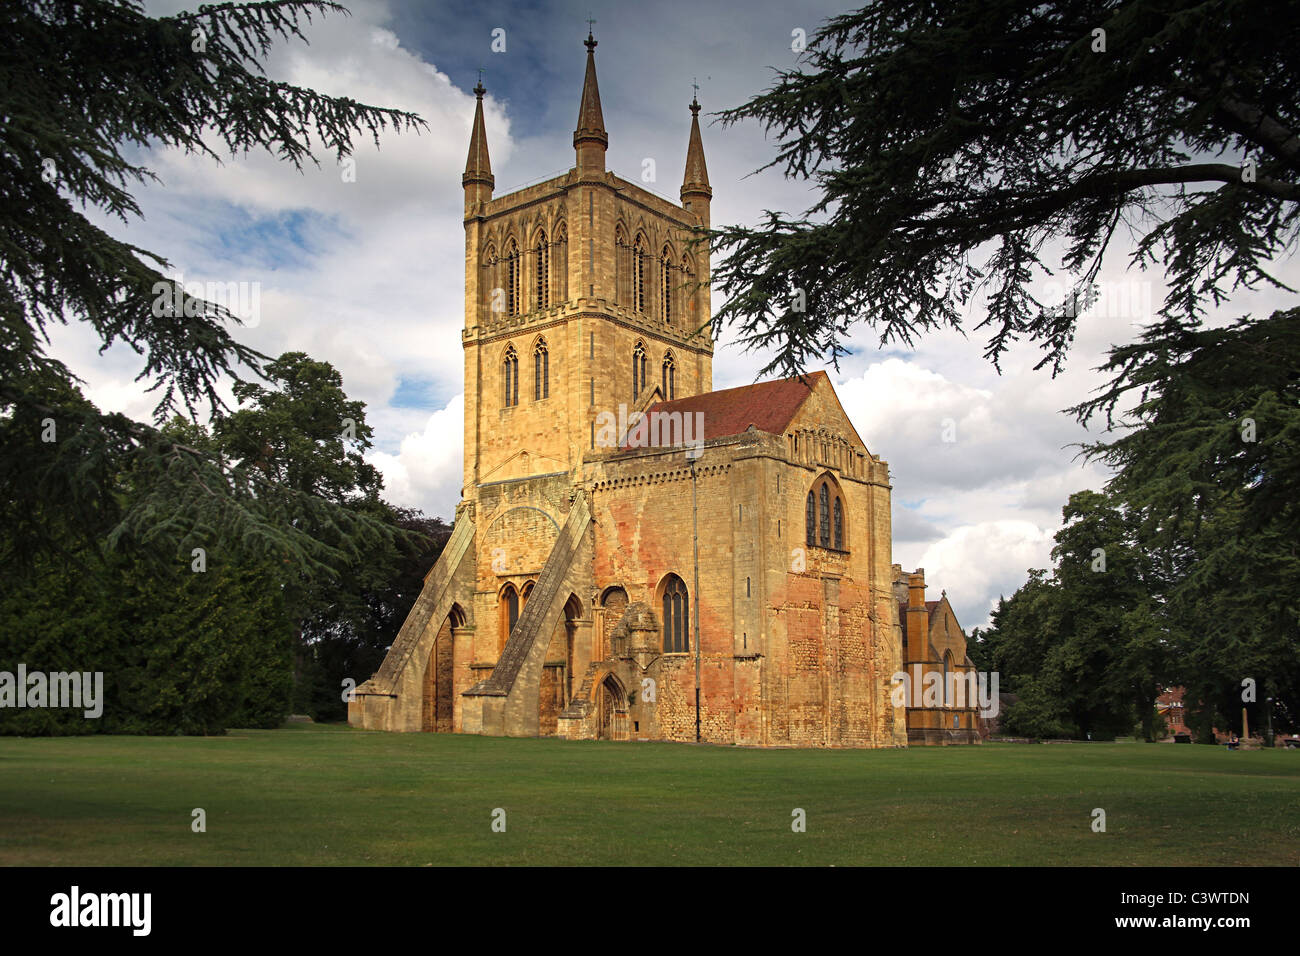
(332, 795)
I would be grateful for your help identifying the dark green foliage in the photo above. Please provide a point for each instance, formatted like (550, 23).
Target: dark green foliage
(81, 84)
(1204, 589)
(1084, 650)
(304, 439)
(1208, 463)
(951, 142)
(181, 652)
(101, 515)
(304, 434)
(241, 643)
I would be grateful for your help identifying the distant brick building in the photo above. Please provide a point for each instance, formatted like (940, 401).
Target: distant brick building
(934, 643)
(1170, 706)
(565, 602)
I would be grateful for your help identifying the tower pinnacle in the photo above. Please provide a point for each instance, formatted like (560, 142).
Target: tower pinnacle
(478, 180)
(590, 139)
(696, 192)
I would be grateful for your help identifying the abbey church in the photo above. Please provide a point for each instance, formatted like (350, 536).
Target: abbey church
(637, 556)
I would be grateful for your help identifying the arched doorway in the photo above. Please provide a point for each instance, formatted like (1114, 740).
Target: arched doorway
(572, 615)
(438, 713)
(611, 710)
(556, 688)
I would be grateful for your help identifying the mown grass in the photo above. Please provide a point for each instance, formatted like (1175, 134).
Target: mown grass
(318, 795)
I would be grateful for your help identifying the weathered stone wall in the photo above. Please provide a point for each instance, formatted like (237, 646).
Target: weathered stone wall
(798, 643)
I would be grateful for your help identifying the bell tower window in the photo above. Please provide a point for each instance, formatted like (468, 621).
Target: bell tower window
(510, 377)
(541, 371)
(638, 369)
(542, 285)
(512, 278)
(560, 282)
(666, 292)
(638, 275)
(622, 268)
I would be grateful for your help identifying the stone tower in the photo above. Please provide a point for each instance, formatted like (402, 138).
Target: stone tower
(563, 280)
(568, 600)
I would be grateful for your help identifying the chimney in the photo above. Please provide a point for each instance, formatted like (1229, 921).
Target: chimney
(918, 621)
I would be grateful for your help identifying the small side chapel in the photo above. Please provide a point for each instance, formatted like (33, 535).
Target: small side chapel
(569, 600)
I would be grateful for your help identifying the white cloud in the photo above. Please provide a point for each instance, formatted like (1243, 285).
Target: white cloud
(377, 291)
(978, 562)
(427, 470)
(978, 510)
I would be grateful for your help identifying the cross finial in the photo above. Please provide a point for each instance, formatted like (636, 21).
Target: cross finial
(478, 90)
(590, 42)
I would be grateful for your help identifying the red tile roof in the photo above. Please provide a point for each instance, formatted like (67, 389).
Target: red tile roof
(768, 406)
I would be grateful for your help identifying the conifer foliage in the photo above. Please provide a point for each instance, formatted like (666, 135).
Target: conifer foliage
(190, 563)
(955, 148)
(82, 85)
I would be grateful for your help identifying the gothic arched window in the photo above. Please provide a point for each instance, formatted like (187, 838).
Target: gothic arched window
(560, 283)
(512, 278)
(510, 377)
(666, 289)
(542, 285)
(824, 518)
(824, 500)
(677, 616)
(509, 610)
(542, 374)
(638, 369)
(638, 275)
(670, 377)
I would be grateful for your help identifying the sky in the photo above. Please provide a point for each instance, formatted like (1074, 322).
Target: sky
(369, 274)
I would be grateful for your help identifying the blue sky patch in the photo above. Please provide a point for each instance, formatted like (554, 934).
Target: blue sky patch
(292, 239)
(415, 393)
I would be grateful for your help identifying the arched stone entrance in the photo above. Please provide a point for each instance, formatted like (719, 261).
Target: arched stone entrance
(437, 712)
(611, 710)
(556, 689)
